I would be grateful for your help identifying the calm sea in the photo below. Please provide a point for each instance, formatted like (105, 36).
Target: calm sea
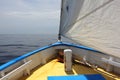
(12, 45)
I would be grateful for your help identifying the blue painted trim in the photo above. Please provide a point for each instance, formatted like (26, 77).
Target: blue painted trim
(77, 46)
(4, 66)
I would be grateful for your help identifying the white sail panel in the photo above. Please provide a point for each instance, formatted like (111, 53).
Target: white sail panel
(94, 23)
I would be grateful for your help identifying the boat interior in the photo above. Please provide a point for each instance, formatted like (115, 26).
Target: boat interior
(45, 62)
(56, 68)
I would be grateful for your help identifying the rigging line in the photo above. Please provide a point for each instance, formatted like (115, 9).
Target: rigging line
(103, 5)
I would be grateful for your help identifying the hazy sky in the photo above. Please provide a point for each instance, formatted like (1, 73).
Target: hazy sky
(29, 16)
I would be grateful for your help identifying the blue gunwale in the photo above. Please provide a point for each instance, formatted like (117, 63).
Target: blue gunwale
(4, 66)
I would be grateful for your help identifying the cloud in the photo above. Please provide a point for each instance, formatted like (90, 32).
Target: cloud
(45, 14)
(29, 13)
(29, 5)
(30, 8)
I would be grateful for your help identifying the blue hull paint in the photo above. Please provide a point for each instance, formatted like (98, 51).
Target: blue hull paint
(4, 66)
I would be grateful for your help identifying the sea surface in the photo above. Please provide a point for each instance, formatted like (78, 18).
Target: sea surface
(14, 45)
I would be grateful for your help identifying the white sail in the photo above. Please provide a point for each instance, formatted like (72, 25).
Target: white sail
(93, 23)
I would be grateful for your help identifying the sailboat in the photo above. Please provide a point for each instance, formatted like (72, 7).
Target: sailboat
(94, 27)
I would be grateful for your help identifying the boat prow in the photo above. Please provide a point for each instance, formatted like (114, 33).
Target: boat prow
(43, 63)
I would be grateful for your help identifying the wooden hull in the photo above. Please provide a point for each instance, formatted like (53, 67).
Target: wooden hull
(26, 64)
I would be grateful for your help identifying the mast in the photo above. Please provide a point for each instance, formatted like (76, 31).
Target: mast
(59, 34)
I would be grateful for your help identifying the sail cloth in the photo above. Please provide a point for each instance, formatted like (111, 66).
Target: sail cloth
(93, 23)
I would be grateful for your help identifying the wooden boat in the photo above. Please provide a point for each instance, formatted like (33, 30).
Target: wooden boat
(41, 63)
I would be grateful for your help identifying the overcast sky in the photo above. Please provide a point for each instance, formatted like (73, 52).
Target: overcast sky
(29, 16)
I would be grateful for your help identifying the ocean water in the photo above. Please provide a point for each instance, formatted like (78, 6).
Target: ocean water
(14, 45)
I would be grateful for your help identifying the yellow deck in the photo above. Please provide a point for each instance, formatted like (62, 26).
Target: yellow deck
(55, 68)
